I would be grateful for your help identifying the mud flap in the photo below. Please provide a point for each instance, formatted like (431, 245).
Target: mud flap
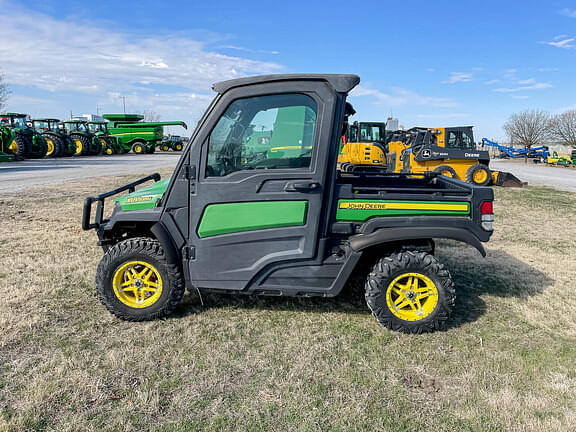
(506, 179)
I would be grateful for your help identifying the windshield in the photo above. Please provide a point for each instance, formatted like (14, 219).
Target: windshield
(366, 132)
(97, 127)
(41, 126)
(75, 127)
(19, 122)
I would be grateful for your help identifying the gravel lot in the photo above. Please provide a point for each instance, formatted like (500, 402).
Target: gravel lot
(539, 174)
(19, 176)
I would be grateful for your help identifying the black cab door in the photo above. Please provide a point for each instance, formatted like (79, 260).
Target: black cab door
(256, 203)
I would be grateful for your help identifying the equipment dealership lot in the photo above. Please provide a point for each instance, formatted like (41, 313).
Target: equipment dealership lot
(246, 363)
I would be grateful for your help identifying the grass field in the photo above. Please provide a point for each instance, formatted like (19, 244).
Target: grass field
(506, 363)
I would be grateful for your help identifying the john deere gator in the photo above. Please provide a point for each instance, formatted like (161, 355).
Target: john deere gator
(134, 134)
(25, 142)
(59, 144)
(109, 143)
(87, 143)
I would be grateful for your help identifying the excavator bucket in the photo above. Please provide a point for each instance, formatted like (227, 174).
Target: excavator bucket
(506, 179)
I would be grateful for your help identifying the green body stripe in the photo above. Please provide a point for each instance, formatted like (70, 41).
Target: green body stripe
(229, 218)
(443, 208)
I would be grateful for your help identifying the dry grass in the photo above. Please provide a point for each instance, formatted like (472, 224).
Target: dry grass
(506, 363)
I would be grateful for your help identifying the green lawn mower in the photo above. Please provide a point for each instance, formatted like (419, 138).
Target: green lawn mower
(87, 144)
(25, 142)
(110, 144)
(59, 144)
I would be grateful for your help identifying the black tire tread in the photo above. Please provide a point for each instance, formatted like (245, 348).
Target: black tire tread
(470, 174)
(147, 246)
(377, 282)
(446, 168)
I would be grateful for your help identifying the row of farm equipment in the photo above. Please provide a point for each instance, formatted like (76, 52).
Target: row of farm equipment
(448, 151)
(539, 154)
(24, 138)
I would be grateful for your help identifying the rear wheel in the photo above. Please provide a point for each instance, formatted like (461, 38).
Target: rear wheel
(478, 174)
(19, 145)
(135, 281)
(82, 144)
(410, 292)
(446, 171)
(178, 147)
(139, 147)
(54, 146)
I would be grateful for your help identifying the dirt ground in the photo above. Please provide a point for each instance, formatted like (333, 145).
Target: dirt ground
(506, 362)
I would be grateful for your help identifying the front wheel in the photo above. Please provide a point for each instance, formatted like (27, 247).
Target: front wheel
(410, 292)
(478, 175)
(135, 281)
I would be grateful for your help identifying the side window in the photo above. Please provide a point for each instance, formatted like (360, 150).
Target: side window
(264, 132)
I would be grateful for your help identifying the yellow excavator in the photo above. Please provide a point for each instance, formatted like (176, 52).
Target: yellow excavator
(449, 151)
(363, 147)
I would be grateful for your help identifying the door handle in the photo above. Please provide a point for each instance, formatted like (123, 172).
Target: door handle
(301, 186)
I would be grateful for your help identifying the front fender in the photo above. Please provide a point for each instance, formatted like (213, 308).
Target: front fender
(387, 235)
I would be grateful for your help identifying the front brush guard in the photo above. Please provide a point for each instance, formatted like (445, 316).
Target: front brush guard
(99, 199)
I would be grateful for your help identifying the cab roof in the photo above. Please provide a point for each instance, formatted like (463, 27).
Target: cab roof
(46, 119)
(12, 114)
(74, 121)
(341, 83)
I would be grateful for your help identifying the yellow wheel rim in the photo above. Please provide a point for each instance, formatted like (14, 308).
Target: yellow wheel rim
(165, 148)
(446, 174)
(480, 176)
(137, 284)
(178, 147)
(108, 151)
(138, 149)
(13, 147)
(50, 147)
(412, 296)
(78, 145)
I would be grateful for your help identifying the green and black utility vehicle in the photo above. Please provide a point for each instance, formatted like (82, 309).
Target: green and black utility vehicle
(134, 134)
(25, 142)
(5, 139)
(109, 143)
(232, 220)
(57, 141)
(172, 142)
(87, 143)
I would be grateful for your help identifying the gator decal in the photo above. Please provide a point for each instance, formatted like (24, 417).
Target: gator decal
(362, 210)
(229, 218)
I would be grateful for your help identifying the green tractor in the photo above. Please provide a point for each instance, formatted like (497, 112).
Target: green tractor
(109, 143)
(173, 142)
(25, 142)
(87, 144)
(5, 138)
(59, 144)
(134, 134)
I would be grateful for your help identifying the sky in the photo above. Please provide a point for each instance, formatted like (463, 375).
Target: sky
(432, 64)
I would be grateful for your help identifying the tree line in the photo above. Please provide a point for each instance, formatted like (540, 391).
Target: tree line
(536, 127)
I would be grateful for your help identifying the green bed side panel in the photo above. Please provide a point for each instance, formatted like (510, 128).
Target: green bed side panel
(229, 218)
(362, 210)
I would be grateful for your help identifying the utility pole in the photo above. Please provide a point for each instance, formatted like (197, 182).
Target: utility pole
(124, 103)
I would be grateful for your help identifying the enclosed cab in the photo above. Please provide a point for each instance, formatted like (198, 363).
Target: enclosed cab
(87, 143)
(109, 143)
(363, 147)
(257, 219)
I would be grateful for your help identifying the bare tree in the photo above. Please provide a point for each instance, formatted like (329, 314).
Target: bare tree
(150, 116)
(529, 127)
(4, 92)
(563, 127)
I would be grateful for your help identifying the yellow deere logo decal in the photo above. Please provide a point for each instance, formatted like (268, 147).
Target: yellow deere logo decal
(139, 199)
(359, 205)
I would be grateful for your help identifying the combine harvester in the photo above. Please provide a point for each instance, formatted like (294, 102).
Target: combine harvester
(134, 134)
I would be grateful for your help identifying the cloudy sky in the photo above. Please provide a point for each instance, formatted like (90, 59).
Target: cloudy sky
(429, 63)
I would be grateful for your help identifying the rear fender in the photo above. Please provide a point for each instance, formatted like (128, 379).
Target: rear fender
(387, 235)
